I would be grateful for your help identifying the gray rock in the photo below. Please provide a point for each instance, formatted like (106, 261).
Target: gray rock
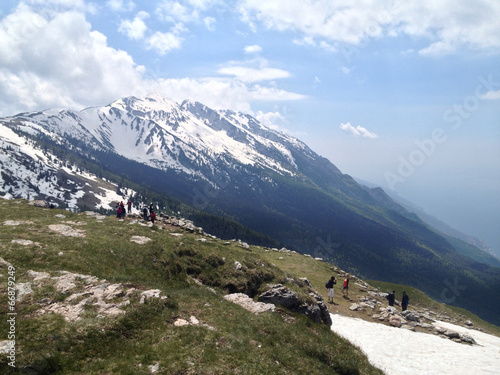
(355, 307)
(467, 339)
(395, 321)
(282, 296)
(452, 334)
(411, 315)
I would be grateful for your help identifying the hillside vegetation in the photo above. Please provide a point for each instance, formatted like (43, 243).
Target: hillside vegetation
(194, 275)
(192, 331)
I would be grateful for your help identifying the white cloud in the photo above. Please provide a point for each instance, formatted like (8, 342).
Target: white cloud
(210, 23)
(120, 5)
(221, 93)
(491, 95)
(448, 25)
(272, 120)
(357, 131)
(253, 70)
(253, 49)
(136, 28)
(164, 42)
(173, 11)
(58, 61)
(247, 74)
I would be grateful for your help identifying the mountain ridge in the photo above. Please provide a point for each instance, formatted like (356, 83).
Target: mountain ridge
(228, 164)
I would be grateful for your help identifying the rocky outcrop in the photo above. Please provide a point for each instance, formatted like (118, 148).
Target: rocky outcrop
(249, 304)
(282, 296)
(84, 292)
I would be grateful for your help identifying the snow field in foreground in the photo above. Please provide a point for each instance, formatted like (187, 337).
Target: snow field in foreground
(400, 351)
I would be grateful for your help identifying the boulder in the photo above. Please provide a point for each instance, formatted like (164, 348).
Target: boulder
(355, 307)
(395, 321)
(411, 316)
(452, 334)
(282, 296)
(467, 339)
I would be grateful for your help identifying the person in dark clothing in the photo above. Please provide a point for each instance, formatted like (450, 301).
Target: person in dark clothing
(404, 301)
(391, 298)
(129, 206)
(123, 212)
(329, 285)
(145, 213)
(153, 217)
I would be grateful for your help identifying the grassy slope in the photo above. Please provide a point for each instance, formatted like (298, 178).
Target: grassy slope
(241, 342)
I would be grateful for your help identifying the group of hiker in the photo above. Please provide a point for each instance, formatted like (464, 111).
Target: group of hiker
(147, 214)
(391, 297)
(121, 211)
(345, 288)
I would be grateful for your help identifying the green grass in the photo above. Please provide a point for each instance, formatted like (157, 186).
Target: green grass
(229, 339)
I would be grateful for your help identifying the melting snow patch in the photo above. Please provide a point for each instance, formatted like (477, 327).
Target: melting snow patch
(400, 351)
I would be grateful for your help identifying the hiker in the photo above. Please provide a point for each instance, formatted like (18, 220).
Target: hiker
(129, 206)
(145, 213)
(404, 301)
(153, 217)
(391, 297)
(345, 288)
(329, 285)
(118, 211)
(123, 212)
(151, 207)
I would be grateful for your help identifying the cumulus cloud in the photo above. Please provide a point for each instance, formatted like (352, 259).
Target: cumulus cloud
(357, 131)
(164, 42)
(57, 60)
(447, 25)
(136, 28)
(120, 5)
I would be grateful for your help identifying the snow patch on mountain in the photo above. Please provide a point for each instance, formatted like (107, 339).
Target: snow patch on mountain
(31, 173)
(189, 138)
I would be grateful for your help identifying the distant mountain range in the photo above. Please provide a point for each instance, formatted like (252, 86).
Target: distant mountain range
(219, 163)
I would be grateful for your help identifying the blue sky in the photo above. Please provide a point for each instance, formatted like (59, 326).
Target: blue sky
(403, 94)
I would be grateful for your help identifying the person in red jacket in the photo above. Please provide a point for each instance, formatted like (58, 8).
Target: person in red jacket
(345, 288)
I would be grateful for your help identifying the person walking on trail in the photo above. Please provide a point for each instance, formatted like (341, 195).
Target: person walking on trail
(345, 288)
(404, 301)
(129, 206)
(145, 213)
(329, 285)
(391, 298)
(153, 217)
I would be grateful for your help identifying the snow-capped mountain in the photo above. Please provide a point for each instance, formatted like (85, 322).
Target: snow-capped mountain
(189, 138)
(229, 164)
